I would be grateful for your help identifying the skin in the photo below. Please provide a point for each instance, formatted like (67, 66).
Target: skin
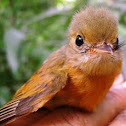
(111, 112)
(76, 75)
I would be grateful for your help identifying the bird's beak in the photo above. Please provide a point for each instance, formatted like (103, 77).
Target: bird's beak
(104, 48)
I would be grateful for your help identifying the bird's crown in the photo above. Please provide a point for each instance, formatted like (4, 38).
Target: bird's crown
(95, 25)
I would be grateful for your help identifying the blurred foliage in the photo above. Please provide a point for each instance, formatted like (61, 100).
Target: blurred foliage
(44, 25)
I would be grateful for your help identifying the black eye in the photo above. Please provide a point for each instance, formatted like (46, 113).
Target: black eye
(117, 41)
(116, 44)
(79, 40)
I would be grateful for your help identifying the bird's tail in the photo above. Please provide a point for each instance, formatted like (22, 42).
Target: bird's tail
(8, 111)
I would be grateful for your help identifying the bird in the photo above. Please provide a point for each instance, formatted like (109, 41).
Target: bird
(79, 74)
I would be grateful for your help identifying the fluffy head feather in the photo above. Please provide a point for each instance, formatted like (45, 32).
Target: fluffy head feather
(99, 29)
(95, 24)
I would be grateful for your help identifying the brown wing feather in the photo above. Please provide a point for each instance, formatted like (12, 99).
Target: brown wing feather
(42, 86)
(26, 101)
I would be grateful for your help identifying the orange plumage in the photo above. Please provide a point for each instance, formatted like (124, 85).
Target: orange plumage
(79, 74)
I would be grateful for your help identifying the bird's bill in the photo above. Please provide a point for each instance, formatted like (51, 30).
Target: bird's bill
(102, 49)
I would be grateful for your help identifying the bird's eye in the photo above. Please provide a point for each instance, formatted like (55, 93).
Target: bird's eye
(116, 44)
(79, 40)
(117, 41)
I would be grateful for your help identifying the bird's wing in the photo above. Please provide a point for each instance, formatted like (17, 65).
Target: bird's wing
(34, 94)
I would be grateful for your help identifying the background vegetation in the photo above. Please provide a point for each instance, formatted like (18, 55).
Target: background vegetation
(31, 29)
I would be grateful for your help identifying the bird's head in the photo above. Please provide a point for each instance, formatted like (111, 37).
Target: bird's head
(93, 41)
